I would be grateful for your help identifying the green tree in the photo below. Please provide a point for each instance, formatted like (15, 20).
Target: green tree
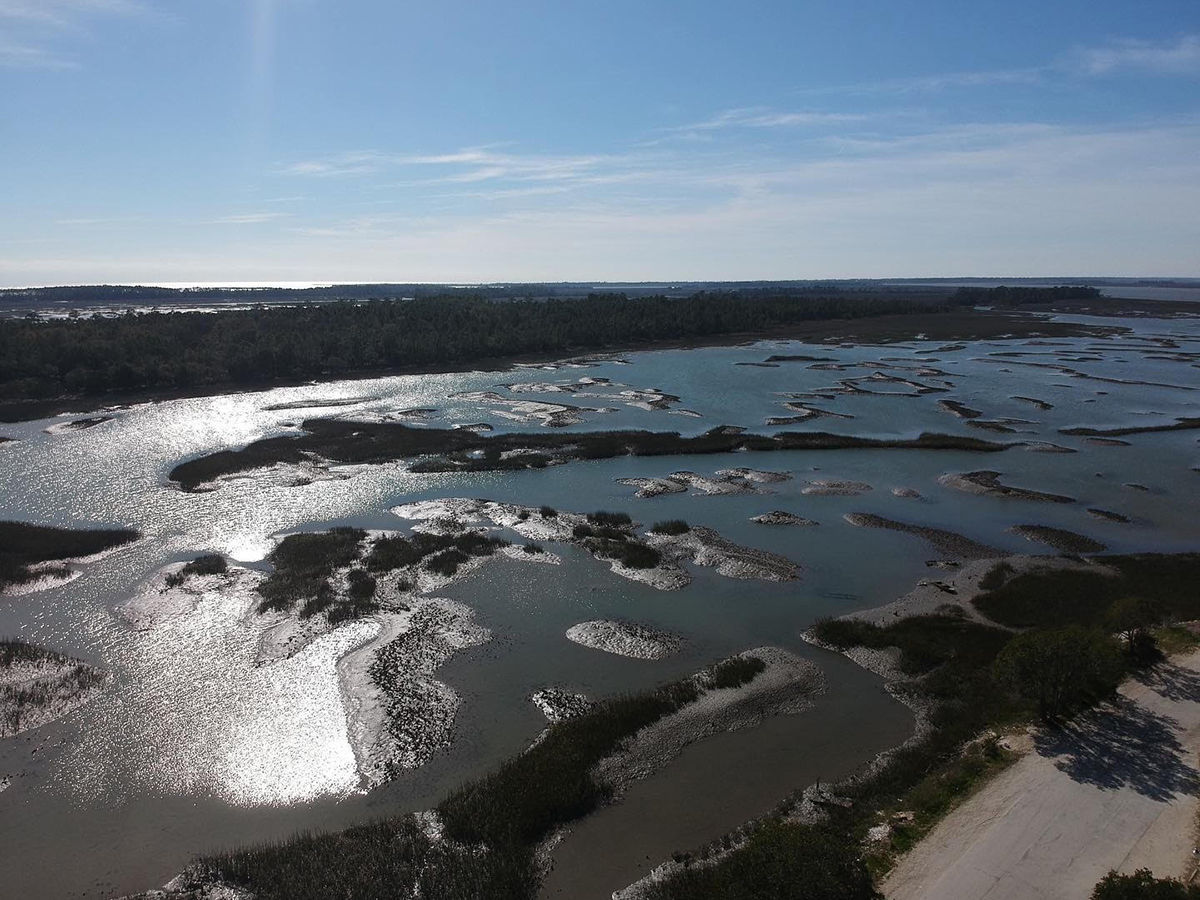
(1056, 669)
(1132, 618)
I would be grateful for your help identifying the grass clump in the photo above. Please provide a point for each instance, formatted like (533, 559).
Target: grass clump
(23, 545)
(533, 549)
(303, 564)
(447, 562)
(379, 861)
(551, 784)
(612, 519)
(212, 564)
(391, 553)
(781, 859)
(734, 672)
(671, 526)
(548, 512)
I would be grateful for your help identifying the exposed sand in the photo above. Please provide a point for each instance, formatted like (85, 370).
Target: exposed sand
(625, 639)
(706, 547)
(557, 704)
(1059, 538)
(947, 541)
(781, 517)
(988, 484)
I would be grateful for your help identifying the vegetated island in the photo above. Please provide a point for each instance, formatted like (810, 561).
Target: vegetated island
(44, 363)
(35, 553)
(38, 686)
(463, 450)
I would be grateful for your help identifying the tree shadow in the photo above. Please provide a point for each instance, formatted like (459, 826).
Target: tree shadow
(1122, 745)
(1172, 681)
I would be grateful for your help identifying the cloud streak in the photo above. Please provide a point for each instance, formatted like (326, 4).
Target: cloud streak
(1181, 57)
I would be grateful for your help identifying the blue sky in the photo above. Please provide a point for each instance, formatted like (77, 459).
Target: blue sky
(313, 140)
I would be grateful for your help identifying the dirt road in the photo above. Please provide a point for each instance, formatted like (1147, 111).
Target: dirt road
(1116, 789)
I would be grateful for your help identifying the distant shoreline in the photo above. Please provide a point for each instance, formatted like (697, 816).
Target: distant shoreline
(962, 324)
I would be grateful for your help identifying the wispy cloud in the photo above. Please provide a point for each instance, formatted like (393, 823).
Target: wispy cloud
(254, 218)
(38, 28)
(24, 56)
(925, 84)
(1181, 57)
(762, 117)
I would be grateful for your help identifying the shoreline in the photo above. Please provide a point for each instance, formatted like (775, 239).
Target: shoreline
(885, 329)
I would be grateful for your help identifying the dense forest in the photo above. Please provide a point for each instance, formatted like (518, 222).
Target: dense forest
(42, 359)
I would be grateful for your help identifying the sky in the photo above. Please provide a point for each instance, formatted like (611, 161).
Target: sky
(271, 141)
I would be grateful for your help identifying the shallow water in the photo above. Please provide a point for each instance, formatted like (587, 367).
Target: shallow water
(194, 747)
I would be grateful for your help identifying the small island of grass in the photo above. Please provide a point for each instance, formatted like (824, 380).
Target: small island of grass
(32, 552)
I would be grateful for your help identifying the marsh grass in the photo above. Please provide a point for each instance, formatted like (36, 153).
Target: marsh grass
(23, 545)
(211, 564)
(445, 449)
(671, 526)
(493, 824)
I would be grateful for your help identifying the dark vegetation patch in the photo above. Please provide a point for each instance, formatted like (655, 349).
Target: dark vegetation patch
(533, 549)
(1142, 885)
(1050, 598)
(379, 861)
(448, 449)
(89, 356)
(734, 672)
(671, 526)
(211, 564)
(1180, 424)
(303, 564)
(551, 784)
(23, 545)
(781, 859)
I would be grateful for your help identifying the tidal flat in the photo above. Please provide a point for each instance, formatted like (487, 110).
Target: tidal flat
(223, 725)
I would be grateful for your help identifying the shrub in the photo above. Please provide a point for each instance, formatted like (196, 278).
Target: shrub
(548, 512)
(447, 562)
(671, 526)
(616, 519)
(533, 549)
(1142, 885)
(996, 576)
(816, 862)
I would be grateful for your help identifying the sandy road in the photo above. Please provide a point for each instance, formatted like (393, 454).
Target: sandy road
(1118, 788)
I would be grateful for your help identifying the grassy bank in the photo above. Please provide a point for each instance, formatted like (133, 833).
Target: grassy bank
(462, 450)
(974, 679)
(492, 824)
(24, 546)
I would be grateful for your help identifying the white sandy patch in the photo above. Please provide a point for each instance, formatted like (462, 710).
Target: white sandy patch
(624, 639)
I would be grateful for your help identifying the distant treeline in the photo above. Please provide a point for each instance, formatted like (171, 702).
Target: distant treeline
(41, 359)
(1015, 296)
(56, 357)
(90, 295)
